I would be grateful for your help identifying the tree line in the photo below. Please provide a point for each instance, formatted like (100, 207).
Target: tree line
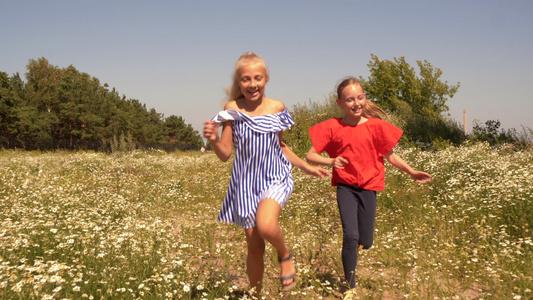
(63, 108)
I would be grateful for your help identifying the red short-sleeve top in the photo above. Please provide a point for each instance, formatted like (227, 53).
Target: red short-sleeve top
(363, 145)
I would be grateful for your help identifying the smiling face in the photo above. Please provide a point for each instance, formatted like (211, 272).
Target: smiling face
(352, 101)
(252, 82)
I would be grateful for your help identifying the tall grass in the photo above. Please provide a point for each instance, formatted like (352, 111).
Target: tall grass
(142, 225)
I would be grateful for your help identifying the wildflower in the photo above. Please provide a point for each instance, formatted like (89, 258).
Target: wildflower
(186, 288)
(18, 287)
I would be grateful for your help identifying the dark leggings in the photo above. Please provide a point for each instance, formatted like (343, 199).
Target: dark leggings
(357, 208)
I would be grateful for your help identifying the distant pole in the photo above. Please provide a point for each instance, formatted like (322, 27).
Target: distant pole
(464, 121)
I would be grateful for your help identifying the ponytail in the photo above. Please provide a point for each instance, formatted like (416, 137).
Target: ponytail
(371, 110)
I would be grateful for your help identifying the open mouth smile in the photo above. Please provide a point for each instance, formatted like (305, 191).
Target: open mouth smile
(253, 93)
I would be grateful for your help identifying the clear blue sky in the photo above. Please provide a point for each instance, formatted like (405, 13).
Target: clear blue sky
(178, 56)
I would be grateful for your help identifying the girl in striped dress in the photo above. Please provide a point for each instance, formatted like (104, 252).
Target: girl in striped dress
(261, 179)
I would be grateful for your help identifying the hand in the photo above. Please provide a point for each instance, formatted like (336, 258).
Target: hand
(211, 130)
(421, 177)
(323, 172)
(339, 162)
(317, 171)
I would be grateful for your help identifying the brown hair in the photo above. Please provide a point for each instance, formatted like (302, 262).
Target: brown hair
(370, 110)
(248, 58)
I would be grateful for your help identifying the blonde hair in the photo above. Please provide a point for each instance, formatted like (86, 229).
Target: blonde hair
(370, 110)
(248, 58)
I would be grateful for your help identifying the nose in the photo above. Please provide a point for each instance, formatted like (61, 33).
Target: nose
(253, 83)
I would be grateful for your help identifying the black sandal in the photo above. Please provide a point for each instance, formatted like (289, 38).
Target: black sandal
(292, 284)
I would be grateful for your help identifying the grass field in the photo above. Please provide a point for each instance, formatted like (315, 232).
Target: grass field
(142, 225)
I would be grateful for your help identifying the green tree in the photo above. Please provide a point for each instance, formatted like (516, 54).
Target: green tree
(21, 125)
(9, 102)
(491, 133)
(418, 100)
(70, 105)
(42, 88)
(154, 130)
(138, 121)
(173, 126)
(82, 114)
(178, 132)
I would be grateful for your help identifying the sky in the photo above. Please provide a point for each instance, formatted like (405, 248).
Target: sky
(178, 56)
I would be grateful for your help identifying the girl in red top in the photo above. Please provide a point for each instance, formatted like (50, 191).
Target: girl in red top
(356, 145)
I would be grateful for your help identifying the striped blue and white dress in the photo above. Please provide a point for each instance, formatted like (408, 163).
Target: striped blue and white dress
(260, 168)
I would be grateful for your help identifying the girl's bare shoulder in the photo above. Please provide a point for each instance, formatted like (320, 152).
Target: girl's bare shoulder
(232, 104)
(275, 106)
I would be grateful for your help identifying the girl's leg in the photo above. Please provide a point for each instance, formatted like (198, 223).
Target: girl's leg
(254, 262)
(357, 208)
(267, 224)
(366, 217)
(347, 203)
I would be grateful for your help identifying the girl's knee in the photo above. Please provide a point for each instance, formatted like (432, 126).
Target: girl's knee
(350, 241)
(266, 228)
(255, 243)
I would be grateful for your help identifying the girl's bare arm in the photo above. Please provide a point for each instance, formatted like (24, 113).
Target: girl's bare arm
(300, 163)
(315, 158)
(398, 162)
(223, 145)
